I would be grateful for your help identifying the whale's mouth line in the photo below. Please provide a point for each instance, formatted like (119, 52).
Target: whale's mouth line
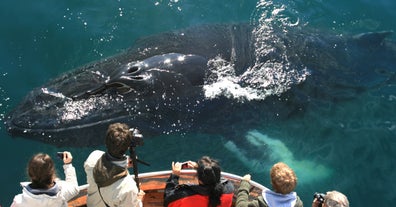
(16, 127)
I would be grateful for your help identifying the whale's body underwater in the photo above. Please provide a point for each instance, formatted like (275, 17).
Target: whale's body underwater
(158, 85)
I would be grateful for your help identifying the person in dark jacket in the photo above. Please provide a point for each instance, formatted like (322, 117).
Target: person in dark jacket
(212, 190)
(283, 181)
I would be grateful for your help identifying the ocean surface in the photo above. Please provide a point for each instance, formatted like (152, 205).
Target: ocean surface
(349, 146)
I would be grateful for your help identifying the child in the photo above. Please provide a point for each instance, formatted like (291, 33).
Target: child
(283, 181)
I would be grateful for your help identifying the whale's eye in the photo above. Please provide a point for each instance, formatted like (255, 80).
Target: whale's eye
(133, 69)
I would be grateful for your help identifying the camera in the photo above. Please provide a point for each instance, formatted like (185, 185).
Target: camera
(184, 165)
(137, 137)
(60, 155)
(320, 198)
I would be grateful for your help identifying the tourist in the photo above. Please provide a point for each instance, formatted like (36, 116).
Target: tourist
(331, 199)
(44, 188)
(110, 183)
(212, 190)
(283, 181)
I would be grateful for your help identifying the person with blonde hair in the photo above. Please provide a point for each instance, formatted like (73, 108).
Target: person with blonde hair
(331, 199)
(283, 181)
(45, 189)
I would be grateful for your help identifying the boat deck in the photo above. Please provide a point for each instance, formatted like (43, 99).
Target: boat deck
(153, 184)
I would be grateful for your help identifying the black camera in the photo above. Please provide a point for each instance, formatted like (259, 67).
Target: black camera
(60, 155)
(320, 198)
(137, 137)
(184, 165)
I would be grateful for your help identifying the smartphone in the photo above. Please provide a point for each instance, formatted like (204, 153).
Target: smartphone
(60, 155)
(184, 165)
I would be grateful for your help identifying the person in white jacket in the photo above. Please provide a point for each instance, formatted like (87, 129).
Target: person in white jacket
(45, 189)
(110, 183)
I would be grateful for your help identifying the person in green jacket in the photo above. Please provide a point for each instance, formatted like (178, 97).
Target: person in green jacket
(283, 181)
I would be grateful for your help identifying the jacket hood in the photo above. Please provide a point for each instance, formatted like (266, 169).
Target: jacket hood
(107, 172)
(30, 199)
(279, 200)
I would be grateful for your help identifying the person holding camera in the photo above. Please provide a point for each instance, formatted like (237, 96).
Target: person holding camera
(45, 189)
(110, 183)
(283, 181)
(212, 190)
(330, 199)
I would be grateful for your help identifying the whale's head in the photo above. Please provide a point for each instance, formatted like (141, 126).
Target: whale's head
(76, 108)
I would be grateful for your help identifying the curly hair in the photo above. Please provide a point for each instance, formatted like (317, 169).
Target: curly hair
(336, 199)
(118, 139)
(41, 170)
(283, 178)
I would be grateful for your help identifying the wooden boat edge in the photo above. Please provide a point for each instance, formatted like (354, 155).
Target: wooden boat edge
(153, 183)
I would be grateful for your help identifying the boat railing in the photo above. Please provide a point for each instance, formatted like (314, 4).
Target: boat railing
(153, 183)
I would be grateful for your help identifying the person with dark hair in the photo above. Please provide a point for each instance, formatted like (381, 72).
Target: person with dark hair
(45, 189)
(212, 190)
(110, 183)
(283, 181)
(331, 199)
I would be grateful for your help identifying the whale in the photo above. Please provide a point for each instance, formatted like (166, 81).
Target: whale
(188, 80)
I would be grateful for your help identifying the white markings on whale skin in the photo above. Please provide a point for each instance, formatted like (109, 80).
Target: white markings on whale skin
(274, 150)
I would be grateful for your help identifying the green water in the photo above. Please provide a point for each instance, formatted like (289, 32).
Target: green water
(348, 146)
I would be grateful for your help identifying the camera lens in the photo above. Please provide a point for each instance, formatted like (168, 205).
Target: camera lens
(320, 198)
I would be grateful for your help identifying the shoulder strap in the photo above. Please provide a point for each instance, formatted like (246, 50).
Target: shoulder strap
(105, 173)
(107, 205)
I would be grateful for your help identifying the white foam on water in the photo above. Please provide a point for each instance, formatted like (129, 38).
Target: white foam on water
(224, 82)
(271, 72)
